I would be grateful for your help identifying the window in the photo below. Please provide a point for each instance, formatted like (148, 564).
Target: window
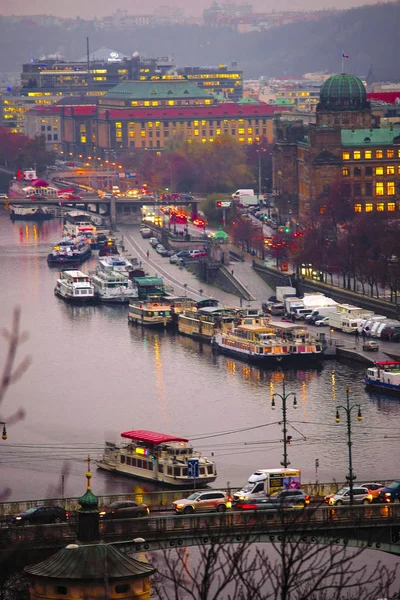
(368, 189)
(357, 155)
(357, 208)
(380, 207)
(357, 171)
(390, 188)
(61, 589)
(357, 189)
(379, 191)
(368, 154)
(122, 459)
(368, 170)
(389, 153)
(369, 207)
(379, 171)
(390, 170)
(379, 154)
(121, 588)
(346, 156)
(391, 206)
(345, 172)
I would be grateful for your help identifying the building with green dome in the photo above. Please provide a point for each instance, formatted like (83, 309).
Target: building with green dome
(344, 159)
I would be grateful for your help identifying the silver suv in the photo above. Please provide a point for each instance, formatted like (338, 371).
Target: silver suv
(361, 495)
(204, 502)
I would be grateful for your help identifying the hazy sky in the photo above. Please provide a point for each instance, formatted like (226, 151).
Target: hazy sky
(91, 8)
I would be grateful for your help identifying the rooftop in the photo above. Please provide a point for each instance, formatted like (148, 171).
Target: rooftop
(386, 136)
(145, 90)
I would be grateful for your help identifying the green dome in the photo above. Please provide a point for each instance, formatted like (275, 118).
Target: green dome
(221, 235)
(343, 92)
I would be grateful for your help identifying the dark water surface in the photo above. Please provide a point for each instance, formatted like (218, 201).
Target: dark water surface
(93, 376)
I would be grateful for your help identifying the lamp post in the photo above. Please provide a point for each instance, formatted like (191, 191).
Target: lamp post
(284, 396)
(347, 409)
(4, 434)
(260, 149)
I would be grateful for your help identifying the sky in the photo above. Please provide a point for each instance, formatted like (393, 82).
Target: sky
(99, 8)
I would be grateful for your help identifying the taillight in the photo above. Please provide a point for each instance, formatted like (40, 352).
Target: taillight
(248, 506)
(67, 514)
(307, 499)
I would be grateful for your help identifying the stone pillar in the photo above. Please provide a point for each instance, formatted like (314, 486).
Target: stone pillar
(113, 212)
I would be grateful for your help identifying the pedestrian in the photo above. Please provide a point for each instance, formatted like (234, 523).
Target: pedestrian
(140, 263)
(364, 335)
(147, 254)
(233, 272)
(293, 318)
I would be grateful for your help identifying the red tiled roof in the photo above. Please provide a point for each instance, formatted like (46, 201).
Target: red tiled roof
(389, 97)
(151, 437)
(223, 110)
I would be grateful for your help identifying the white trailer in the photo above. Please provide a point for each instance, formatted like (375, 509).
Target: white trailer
(284, 291)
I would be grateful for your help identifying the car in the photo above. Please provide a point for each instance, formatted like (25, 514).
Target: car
(361, 495)
(390, 493)
(197, 253)
(154, 242)
(41, 514)
(124, 509)
(373, 488)
(175, 258)
(3, 196)
(203, 502)
(282, 499)
(162, 251)
(322, 322)
(370, 345)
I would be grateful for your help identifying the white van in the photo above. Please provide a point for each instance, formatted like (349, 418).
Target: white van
(301, 313)
(265, 481)
(239, 193)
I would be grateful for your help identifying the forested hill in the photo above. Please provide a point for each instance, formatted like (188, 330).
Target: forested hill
(367, 34)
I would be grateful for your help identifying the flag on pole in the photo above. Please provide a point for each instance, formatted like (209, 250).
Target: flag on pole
(345, 55)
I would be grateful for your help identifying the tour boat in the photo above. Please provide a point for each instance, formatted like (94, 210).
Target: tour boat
(150, 313)
(29, 213)
(74, 286)
(113, 287)
(69, 251)
(116, 263)
(256, 340)
(205, 322)
(384, 376)
(160, 458)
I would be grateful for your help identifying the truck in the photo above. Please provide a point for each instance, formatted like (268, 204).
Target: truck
(291, 303)
(348, 318)
(284, 291)
(247, 200)
(265, 481)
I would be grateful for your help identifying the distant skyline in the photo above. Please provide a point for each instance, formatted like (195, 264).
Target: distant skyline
(100, 8)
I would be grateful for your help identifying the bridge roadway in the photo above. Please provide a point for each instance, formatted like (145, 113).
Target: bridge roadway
(372, 526)
(86, 199)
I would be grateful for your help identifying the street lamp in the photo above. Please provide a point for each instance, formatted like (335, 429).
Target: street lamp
(259, 170)
(347, 409)
(285, 463)
(4, 434)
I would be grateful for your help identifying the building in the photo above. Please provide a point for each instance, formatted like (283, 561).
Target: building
(44, 120)
(12, 113)
(146, 114)
(218, 79)
(344, 156)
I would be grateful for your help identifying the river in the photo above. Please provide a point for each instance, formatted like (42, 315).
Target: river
(93, 376)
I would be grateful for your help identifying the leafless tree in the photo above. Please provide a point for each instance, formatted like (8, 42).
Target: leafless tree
(296, 565)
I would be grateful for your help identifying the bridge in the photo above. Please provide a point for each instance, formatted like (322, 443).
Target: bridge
(372, 526)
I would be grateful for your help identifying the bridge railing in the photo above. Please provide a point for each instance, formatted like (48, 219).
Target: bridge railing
(159, 500)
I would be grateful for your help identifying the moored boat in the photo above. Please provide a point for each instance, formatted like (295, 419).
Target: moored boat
(384, 376)
(113, 287)
(116, 263)
(29, 213)
(70, 251)
(166, 459)
(205, 322)
(256, 340)
(74, 286)
(150, 313)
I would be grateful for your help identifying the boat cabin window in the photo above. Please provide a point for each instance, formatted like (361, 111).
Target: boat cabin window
(160, 468)
(210, 469)
(169, 470)
(177, 471)
(122, 459)
(128, 460)
(139, 463)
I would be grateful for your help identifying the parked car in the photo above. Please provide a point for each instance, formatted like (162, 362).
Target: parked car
(175, 258)
(361, 495)
(324, 322)
(154, 242)
(390, 493)
(276, 310)
(3, 196)
(160, 249)
(282, 499)
(197, 253)
(41, 515)
(370, 345)
(373, 488)
(125, 509)
(391, 333)
(204, 502)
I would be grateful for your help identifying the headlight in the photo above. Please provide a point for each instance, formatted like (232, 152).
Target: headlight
(331, 501)
(102, 513)
(388, 493)
(18, 518)
(179, 506)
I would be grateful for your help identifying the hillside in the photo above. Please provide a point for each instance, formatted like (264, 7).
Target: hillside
(368, 34)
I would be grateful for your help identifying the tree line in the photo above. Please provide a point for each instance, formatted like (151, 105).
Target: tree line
(18, 151)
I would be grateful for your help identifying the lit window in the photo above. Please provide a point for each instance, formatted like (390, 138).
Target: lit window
(379, 154)
(241, 130)
(118, 125)
(171, 102)
(143, 133)
(218, 131)
(157, 123)
(150, 124)
(368, 154)
(389, 153)
(83, 139)
(390, 170)
(369, 207)
(249, 130)
(241, 140)
(196, 132)
(391, 206)
(379, 191)
(146, 103)
(204, 140)
(398, 153)
(379, 171)
(345, 172)
(134, 103)
(390, 188)
(380, 207)
(357, 155)
(346, 156)
(357, 208)
(154, 103)
(249, 140)
(204, 123)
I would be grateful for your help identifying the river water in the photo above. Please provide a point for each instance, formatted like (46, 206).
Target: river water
(93, 376)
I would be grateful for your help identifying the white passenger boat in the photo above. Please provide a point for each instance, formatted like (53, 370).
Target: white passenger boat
(29, 213)
(116, 263)
(74, 286)
(150, 312)
(113, 287)
(166, 459)
(258, 341)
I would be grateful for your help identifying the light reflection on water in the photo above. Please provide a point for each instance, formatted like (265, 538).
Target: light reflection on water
(94, 376)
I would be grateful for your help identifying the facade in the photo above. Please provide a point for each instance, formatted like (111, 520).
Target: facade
(343, 157)
(12, 113)
(46, 121)
(218, 79)
(145, 115)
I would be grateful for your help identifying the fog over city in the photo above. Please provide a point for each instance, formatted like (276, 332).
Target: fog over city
(99, 8)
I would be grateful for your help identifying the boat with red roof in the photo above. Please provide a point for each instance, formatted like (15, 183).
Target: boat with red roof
(384, 376)
(160, 458)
